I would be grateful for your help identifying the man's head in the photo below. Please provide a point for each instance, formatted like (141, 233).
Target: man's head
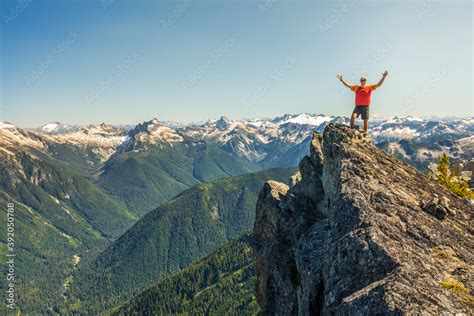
(362, 81)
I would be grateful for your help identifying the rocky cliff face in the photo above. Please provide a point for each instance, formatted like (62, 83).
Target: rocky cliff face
(358, 232)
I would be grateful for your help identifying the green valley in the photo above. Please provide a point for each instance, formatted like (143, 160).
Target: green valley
(166, 240)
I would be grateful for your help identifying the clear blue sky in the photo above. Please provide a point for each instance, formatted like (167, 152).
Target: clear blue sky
(187, 60)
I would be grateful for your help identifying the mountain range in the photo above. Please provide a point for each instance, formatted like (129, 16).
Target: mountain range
(264, 143)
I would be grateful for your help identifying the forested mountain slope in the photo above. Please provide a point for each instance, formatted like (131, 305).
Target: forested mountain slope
(186, 228)
(222, 283)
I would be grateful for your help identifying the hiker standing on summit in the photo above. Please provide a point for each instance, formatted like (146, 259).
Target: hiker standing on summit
(362, 98)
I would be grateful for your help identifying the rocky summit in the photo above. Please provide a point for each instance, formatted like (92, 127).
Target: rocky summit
(359, 232)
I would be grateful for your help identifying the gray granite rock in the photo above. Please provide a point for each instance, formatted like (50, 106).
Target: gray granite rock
(361, 233)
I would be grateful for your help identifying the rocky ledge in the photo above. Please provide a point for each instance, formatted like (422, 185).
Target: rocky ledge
(359, 232)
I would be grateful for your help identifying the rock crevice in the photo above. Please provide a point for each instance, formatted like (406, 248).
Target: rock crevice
(354, 234)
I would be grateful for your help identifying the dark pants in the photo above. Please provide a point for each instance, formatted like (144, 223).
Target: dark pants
(362, 110)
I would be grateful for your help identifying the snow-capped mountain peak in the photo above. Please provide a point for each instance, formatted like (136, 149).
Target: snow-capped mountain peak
(150, 133)
(54, 128)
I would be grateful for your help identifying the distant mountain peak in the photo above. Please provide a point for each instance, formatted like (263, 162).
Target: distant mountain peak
(55, 128)
(150, 133)
(154, 121)
(223, 123)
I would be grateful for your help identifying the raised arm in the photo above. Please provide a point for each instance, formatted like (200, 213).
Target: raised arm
(343, 81)
(384, 74)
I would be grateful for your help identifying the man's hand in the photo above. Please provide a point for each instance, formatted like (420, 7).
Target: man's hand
(384, 74)
(343, 82)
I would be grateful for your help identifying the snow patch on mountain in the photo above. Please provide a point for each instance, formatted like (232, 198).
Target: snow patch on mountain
(307, 119)
(48, 128)
(160, 134)
(394, 132)
(6, 125)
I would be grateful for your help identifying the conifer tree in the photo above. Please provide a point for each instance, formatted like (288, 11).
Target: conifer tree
(447, 179)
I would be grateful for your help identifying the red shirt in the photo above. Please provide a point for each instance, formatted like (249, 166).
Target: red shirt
(363, 94)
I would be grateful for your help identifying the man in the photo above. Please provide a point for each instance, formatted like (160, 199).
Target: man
(362, 98)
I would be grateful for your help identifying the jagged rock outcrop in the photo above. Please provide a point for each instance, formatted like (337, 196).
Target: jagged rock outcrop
(360, 233)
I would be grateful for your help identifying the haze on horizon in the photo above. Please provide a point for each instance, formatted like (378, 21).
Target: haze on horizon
(125, 62)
